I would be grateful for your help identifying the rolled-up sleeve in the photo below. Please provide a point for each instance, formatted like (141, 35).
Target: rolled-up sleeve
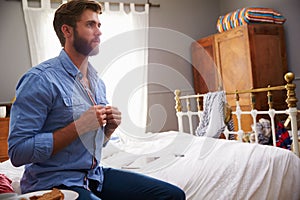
(27, 144)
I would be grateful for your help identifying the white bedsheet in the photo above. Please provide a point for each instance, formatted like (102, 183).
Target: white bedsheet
(207, 168)
(204, 168)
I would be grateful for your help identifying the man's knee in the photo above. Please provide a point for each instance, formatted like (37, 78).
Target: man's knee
(177, 194)
(180, 195)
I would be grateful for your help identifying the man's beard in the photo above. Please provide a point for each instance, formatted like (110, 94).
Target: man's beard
(82, 46)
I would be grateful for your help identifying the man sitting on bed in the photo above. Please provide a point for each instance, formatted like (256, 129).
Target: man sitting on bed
(60, 121)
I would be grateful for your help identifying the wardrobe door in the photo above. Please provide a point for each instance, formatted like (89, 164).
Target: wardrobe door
(205, 71)
(268, 54)
(234, 62)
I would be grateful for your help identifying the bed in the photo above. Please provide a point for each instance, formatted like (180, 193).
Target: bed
(206, 167)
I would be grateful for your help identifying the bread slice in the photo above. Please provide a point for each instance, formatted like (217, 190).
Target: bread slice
(54, 194)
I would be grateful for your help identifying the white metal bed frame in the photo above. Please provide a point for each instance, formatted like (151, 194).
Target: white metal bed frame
(291, 112)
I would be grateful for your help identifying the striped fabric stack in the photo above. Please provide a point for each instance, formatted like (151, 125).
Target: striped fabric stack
(248, 15)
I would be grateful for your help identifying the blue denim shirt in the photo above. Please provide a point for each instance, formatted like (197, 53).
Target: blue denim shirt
(49, 97)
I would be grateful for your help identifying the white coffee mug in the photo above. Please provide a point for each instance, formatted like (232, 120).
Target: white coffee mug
(2, 111)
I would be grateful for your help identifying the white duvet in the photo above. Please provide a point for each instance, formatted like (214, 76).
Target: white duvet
(207, 168)
(204, 168)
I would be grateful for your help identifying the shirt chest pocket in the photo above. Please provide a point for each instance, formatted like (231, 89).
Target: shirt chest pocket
(73, 106)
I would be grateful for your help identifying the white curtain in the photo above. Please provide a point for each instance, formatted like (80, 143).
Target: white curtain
(43, 42)
(121, 63)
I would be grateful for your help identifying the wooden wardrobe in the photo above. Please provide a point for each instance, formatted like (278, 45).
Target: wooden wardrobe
(248, 56)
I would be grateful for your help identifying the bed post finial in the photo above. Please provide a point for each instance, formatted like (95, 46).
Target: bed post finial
(290, 88)
(177, 100)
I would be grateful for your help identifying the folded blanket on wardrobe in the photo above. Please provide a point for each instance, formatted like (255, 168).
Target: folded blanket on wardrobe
(249, 15)
(212, 121)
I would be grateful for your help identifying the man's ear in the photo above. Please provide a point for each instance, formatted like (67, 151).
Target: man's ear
(67, 30)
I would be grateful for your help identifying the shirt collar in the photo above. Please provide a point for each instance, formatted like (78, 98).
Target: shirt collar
(68, 64)
(72, 69)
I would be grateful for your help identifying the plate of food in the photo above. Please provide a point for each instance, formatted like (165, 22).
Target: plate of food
(54, 194)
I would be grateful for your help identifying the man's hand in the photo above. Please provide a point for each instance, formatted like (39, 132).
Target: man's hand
(113, 120)
(95, 117)
(92, 119)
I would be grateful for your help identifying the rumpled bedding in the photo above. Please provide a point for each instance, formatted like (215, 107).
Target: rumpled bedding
(249, 15)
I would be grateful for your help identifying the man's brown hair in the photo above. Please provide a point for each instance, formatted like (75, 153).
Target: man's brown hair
(70, 12)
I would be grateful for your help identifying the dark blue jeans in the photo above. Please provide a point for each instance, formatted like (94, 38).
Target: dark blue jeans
(122, 185)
